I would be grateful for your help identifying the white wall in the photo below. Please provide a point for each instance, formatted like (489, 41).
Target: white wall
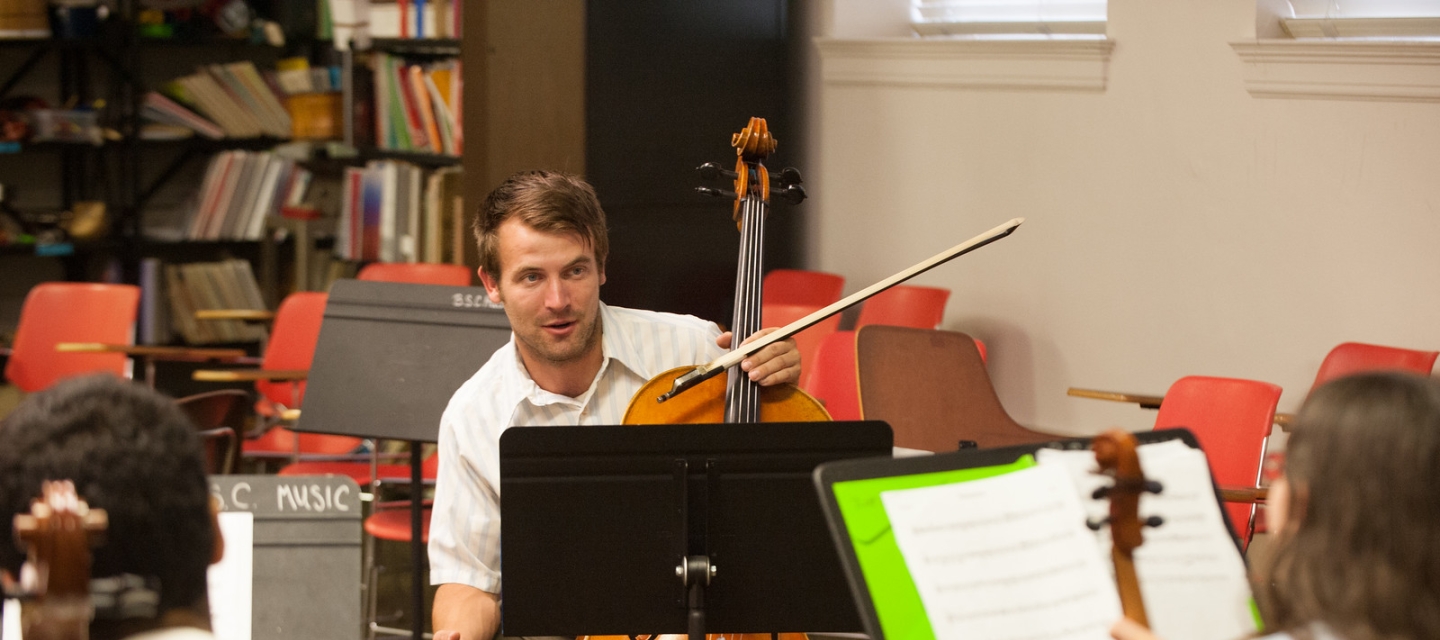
(1175, 224)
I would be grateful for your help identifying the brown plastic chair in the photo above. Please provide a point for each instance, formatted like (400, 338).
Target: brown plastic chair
(219, 418)
(933, 389)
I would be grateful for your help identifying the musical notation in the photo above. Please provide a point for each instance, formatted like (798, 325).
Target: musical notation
(1192, 577)
(1007, 558)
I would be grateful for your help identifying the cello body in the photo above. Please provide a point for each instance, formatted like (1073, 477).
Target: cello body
(706, 403)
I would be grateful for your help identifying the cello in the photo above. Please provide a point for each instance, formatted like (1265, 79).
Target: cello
(726, 398)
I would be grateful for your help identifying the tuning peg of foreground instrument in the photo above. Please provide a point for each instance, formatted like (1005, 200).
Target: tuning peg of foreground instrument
(786, 177)
(1154, 521)
(711, 171)
(1151, 486)
(1096, 524)
(794, 194)
(719, 193)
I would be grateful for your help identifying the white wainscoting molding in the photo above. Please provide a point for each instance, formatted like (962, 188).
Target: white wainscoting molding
(1043, 65)
(1341, 69)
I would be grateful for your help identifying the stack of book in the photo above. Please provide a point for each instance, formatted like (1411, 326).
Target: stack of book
(213, 285)
(417, 106)
(234, 96)
(389, 19)
(240, 189)
(393, 211)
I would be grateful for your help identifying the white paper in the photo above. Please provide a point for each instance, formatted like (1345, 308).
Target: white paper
(231, 581)
(1004, 558)
(11, 630)
(1191, 575)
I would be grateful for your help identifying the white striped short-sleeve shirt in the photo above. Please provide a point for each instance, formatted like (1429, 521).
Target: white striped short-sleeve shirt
(465, 528)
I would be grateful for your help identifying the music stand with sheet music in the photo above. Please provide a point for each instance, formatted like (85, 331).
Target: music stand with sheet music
(925, 471)
(388, 358)
(618, 529)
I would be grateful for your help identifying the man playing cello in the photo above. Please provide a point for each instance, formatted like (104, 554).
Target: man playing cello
(571, 360)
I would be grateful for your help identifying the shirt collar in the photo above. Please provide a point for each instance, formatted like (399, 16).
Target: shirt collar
(617, 343)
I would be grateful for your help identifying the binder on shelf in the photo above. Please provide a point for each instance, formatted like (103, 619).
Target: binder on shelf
(994, 543)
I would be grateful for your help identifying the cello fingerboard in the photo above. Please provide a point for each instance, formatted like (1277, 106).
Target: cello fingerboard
(742, 400)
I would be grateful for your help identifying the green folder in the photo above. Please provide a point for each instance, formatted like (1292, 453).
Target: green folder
(897, 602)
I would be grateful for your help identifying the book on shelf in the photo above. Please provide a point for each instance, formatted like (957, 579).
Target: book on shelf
(394, 211)
(415, 105)
(415, 19)
(240, 190)
(161, 109)
(234, 98)
(228, 284)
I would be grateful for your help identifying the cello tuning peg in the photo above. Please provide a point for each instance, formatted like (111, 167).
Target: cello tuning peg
(1153, 486)
(1154, 521)
(787, 176)
(711, 171)
(719, 193)
(1096, 524)
(1100, 493)
(794, 194)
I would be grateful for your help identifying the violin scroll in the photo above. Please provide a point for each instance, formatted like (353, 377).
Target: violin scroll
(1116, 456)
(59, 530)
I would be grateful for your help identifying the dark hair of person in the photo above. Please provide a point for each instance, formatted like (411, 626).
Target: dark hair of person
(547, 201)
(1361, 547)
(129, 451)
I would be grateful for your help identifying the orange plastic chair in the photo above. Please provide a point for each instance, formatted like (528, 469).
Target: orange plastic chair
(831, 376)
(1355, 357)
(55, 312)
(905, 306)
(291, 348)
(363, 473)
(798, 286)
(455, 275)
(389, 521)
(1232, 419)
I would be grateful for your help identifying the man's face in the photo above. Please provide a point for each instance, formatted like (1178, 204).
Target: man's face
(550, 286)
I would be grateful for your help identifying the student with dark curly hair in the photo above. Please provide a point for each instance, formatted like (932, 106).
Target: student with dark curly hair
(133, 453)
(1355, 516)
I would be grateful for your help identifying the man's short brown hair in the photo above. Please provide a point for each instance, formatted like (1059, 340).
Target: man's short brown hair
(547, 201)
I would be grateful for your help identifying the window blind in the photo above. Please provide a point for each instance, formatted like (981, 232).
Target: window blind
(1008, 17)
(1388, 19)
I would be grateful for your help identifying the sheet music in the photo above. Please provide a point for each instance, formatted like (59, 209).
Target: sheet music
(1004, 558)
(10, 630)
(231, 580)
(1191, 575)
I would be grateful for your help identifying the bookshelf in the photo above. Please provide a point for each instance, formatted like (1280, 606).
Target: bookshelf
(146, 183)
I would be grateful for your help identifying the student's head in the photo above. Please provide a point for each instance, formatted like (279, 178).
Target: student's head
(129, 451)
(1356, 514)
(543, 244)
(546, 201)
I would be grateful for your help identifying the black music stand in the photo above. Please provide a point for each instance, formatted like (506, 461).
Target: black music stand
(388, 358)
(671, 528)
